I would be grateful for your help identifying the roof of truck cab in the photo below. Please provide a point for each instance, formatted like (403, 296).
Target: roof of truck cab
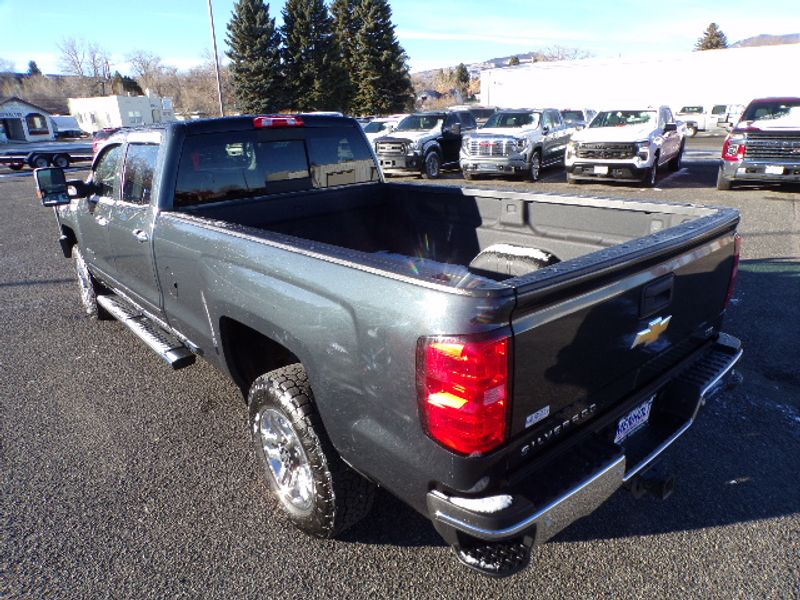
(243, 122)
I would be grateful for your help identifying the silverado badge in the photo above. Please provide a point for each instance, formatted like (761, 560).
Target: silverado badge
(654, 330)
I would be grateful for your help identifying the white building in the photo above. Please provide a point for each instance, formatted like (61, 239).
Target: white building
(100, 112)
(21, 121)
(731, 76)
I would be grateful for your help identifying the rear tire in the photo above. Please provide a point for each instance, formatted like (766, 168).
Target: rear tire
(432, 166)
(37, 161)
(316, 490)
(723, 183)
(61, 160)
(691, 130)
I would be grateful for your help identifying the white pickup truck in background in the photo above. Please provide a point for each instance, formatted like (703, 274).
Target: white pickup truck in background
(626, 145)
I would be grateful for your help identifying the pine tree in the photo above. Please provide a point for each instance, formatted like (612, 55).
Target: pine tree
(314, 76)
(255, 66)
(711, 39)
(382, 79)
(33, 68)
(513, 61)
(346, 25)
(462, 80)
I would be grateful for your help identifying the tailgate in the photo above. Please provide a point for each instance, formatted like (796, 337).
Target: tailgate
(580, 350)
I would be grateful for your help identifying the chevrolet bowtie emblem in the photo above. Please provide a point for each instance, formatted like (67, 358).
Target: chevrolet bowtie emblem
(652, 333)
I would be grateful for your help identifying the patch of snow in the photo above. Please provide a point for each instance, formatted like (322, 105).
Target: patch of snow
(534, 253)
(490, 504)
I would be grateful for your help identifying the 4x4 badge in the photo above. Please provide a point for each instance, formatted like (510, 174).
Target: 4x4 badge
(654, 330)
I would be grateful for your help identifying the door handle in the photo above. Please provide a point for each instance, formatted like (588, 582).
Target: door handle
(140, 235)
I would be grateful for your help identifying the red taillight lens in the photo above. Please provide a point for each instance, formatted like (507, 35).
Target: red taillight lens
(737, 247)
(463, 392)
(733, 149)
(277, 121)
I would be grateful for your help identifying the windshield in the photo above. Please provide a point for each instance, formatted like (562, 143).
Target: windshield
(572, 116)
(623, 118)
(692, 110)
(420, 123)
(517, 119)
(772, 110)
(375, 126)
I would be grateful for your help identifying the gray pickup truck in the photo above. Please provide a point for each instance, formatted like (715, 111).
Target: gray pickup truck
(500, 361)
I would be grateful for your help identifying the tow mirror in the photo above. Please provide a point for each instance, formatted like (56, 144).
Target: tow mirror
(51, 186)
(670, 127)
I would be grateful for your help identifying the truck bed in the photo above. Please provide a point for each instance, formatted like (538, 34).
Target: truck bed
(436, 233)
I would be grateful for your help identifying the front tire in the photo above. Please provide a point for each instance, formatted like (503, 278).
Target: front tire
(89, 288)
(675, 162)
(651, 177)
(535, 167)
(432, 167)
(723, 183)
(691, 130)
(316, 490)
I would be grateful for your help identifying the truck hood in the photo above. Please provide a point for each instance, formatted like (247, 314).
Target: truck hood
(413, 136)
(613, 134)
(512, 132)
(790, 121)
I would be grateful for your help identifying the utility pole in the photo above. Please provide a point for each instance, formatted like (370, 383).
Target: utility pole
(216, 58)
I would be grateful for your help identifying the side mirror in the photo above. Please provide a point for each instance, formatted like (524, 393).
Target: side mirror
(454, 129)
(545, 129)
(51, 186)
(670, 127)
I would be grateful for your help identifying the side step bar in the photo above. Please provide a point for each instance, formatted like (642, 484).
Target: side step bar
(166, 345)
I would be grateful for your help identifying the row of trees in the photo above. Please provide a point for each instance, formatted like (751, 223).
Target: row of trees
(345, 59)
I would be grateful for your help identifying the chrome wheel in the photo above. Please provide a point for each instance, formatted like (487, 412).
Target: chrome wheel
(286, 461)
(535, 167)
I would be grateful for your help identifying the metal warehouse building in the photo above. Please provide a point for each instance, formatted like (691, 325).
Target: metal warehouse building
(732, 76)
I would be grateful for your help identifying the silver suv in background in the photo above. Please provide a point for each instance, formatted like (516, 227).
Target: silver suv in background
(577, 117)
(516, 142)
(764, 146)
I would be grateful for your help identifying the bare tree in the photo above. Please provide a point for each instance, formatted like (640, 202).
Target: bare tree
(6, 66)
(98, 62)
(73, 57)
(554, 53)
(146, 67)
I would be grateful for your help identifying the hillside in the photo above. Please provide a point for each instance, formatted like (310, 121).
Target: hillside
(766, 39)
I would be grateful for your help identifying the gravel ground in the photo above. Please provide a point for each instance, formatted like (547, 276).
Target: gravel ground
(122, 479)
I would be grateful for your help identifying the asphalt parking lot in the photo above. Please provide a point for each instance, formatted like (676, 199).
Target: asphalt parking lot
(123, 479)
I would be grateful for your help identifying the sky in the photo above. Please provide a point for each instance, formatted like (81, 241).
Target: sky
(434, 33)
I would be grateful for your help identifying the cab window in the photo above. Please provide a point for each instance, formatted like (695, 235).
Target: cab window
(106, 171)
(140, 164)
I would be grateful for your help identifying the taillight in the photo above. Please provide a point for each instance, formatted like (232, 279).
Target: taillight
(737, 246)
(734, 148)
(277, 121)
(464, 391)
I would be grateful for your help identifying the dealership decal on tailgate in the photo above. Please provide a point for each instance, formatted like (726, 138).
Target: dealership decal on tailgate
(634, 420)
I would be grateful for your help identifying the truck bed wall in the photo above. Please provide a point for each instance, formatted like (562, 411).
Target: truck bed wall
(446, 224)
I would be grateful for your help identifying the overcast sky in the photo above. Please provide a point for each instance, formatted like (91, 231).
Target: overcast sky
(434, 33)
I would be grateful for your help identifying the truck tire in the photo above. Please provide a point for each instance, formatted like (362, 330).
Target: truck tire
(17, 166)
(691, 130)
(675, 162)
(38, 161)
(61, 160)
(468, 176)
(651, 177)
(572, 180)
(534, 166)
(432, 165)
(89, 288)
(319, 493)
(723, 183)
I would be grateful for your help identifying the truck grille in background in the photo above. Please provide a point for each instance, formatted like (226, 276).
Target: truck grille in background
(491, 147)
(773, 146)
(606, 150)
(391, 148)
